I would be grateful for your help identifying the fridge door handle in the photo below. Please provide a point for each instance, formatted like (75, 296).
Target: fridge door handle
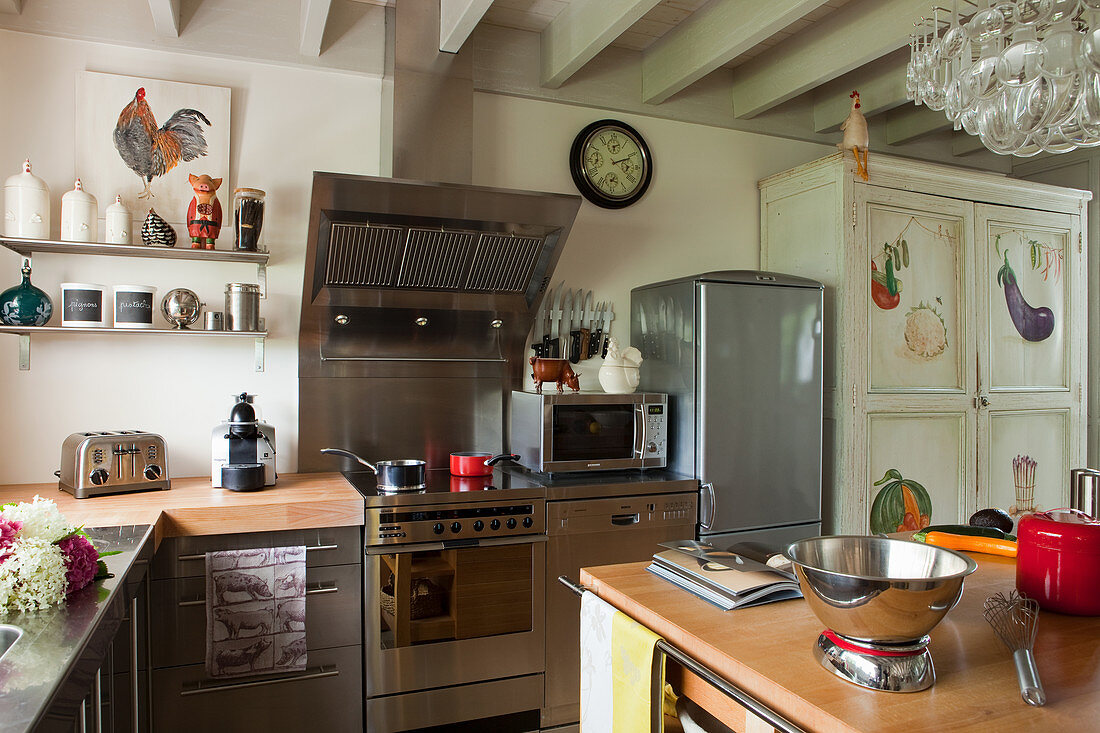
(708, 504)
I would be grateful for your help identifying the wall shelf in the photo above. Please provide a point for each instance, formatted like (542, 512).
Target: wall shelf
(24, 333)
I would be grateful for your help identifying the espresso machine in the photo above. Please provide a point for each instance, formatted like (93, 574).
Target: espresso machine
(242, 449)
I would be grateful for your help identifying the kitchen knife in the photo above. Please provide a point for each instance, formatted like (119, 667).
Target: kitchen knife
(587, 314)
(576, 320)
(554, 319)
(597, 331)
(608, 317)
(540, 332)
(560, 345)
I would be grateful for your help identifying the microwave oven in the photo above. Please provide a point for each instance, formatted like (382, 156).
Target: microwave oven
(589, 431)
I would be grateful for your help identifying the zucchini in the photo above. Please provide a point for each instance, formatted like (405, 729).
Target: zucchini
(964, 529)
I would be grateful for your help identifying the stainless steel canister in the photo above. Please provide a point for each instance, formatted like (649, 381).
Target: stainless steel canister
(214, 321)
(1084, 491)
(242, 307)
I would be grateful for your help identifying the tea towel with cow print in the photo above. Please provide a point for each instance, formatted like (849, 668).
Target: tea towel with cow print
(255, 611)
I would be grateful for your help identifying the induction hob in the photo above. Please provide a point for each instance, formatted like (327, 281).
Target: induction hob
(442, 487)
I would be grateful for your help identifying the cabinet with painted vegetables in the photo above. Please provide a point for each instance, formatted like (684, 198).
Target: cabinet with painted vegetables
(955, 335)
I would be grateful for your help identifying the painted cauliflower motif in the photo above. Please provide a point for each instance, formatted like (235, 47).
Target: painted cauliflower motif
(925, 331)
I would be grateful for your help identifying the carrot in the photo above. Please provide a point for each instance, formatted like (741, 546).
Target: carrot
(987, 545)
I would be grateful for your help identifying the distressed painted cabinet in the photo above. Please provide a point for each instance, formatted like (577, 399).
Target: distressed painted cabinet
(955, 335)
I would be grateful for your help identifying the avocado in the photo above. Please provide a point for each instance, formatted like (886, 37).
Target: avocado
(992, 517)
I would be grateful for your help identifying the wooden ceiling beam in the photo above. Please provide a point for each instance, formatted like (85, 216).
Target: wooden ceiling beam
(856, 34)
(909, 123)
(711, 37)
(314, 17)
(582, 30)
(14, 7)
(881, 87)
(166, 17)
(965, 144)
(457, 20)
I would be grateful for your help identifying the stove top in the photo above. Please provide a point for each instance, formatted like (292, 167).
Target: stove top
(443, 488)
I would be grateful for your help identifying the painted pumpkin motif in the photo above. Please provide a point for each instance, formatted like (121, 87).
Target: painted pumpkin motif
(902, 505)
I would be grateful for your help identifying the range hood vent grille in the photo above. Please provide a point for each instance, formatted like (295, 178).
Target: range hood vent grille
(360, 254)
(503, 262)
(435, 258)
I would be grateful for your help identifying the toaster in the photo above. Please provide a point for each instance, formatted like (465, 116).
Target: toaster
(113, 462)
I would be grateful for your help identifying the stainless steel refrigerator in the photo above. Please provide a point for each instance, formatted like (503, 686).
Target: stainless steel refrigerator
(740, 355)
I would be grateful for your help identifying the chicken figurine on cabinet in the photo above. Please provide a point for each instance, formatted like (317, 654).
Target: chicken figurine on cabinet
(204, 215)
(856, 137)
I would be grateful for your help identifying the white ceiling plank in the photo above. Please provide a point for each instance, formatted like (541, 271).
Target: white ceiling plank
(457, 20)
(966, 144)
(856, 34)
(15, 7)
(312, 26)
(881, 87)
(582, 30)
(166, 17)
(711, 37)
(909, 123)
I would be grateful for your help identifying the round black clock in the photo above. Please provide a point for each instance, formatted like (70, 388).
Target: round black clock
(611, 164)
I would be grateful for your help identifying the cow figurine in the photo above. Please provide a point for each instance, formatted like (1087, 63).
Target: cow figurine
(554, 370)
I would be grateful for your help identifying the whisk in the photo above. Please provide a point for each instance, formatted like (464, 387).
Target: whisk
(1016, 619)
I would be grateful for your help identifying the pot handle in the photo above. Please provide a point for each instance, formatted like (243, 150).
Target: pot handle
(502, 457)
(349, 454)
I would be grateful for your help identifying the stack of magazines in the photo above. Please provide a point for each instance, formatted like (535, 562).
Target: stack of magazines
(745, 575)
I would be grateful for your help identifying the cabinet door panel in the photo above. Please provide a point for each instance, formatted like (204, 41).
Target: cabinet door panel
(927, 448)
(1029, 460)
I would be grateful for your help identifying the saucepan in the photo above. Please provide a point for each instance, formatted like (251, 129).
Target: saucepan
(477, 463)
(404, 475)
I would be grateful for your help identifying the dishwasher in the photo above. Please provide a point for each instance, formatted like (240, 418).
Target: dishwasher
(586, 533)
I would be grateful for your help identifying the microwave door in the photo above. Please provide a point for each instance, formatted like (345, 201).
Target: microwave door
(603, 433)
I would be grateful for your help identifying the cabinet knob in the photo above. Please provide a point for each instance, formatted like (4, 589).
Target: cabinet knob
(983, 401)
(342, 319)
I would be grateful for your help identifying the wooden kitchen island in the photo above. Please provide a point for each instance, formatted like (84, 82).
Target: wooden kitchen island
(767, 652)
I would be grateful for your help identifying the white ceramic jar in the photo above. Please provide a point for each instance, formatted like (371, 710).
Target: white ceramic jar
(134, 306)
(82, 305)
(26, 205)
(119, 223)
(79, 215)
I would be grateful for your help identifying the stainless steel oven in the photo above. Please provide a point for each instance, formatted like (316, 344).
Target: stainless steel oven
(589, 431)
(454, 609)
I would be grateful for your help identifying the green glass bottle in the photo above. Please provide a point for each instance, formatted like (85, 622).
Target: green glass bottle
(24, 304)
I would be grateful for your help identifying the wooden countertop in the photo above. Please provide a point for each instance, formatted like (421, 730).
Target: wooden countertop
(766, 651)
(193, 507)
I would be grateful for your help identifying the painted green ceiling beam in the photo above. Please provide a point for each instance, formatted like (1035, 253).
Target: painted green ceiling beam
(856, 34)
(457, 20)
(711, 37)
(582, 30)
(881, 87)
(910, 123)
(314, 17)
(964, 144)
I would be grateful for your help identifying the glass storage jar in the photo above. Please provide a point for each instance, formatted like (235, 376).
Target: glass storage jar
(248, 218)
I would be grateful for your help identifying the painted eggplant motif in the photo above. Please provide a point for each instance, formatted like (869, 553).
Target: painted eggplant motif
(1034, 324)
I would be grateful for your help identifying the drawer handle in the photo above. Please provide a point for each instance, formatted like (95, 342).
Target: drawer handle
(202, 555)
(623, 520)
(314, 591)
(316, 674)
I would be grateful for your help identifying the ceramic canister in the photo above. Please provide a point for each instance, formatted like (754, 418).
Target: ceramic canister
(26, 205)
(134, 306)
(79, 215)
(119, 223)
(82, 305)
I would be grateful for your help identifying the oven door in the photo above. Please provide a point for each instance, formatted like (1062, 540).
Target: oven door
(440, 614)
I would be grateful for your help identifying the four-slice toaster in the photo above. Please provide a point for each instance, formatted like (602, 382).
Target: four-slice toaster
(113, 462)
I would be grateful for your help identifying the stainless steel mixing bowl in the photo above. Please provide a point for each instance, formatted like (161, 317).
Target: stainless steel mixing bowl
(876, 589)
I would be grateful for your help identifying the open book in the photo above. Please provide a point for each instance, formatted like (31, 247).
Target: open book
(726, 578)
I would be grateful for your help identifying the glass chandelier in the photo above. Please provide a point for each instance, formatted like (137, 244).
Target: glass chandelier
(1022, 75)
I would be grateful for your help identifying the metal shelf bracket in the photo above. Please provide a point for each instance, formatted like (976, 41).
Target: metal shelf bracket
(261, 279)
(24, 352)
(260, 354)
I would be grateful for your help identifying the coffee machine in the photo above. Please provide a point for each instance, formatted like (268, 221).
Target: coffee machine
(242, 449)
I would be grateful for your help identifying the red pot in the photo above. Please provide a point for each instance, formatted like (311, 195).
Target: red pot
(1058, 561)
(476, 463)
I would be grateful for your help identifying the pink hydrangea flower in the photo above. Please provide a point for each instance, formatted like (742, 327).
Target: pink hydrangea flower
(80, 562)
(9, 528)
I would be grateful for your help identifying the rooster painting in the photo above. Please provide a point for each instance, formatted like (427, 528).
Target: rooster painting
(150, 151)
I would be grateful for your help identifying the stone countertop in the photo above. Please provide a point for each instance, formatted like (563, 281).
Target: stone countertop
(193, 507)
(51, 667)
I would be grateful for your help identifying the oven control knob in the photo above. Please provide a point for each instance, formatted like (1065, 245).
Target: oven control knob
(495, 524)
(511, 522)
(527, 522)
(99, 476)
(651, 447)
(438, 528)
(479, 525)
(153, 472)
(456, 527)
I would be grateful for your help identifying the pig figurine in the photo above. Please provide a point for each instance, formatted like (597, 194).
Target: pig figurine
(204, 215)
(553, 370)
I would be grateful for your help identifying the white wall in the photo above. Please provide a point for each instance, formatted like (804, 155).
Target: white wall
(701, 211)
(286, 123)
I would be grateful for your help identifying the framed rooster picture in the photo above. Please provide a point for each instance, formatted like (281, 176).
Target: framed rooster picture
(140, 139)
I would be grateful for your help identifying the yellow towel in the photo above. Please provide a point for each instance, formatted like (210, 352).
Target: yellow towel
(636, 676)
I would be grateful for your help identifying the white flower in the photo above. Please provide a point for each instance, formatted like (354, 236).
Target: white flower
(33, 576)
(41, 519)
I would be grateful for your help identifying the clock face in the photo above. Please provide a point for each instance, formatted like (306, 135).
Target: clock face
(611, 164)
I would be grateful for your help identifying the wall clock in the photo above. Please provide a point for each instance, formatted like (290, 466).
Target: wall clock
(611, 164)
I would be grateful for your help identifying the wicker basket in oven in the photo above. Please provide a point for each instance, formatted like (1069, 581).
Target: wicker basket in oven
(427, 599)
